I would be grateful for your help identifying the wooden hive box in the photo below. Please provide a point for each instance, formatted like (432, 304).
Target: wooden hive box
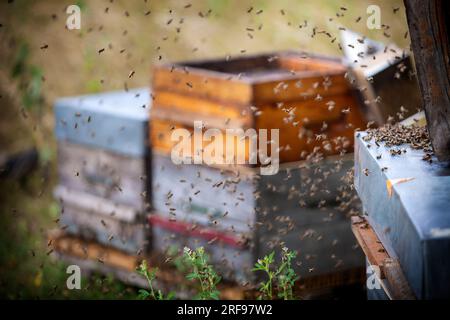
(301, 95)
(299, 207)
(384, 76)
(407, 205)
(309, 100)
(103, 160)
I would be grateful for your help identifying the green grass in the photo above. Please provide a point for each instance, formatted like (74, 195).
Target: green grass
(27, 271)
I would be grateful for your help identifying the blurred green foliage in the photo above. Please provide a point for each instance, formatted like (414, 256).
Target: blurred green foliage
(29, 78)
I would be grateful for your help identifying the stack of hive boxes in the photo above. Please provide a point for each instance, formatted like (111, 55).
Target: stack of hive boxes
(103, 159)
(236, 212)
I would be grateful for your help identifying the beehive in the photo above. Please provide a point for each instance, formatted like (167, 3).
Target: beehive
(303, 96)
(309, 100)
(102, 166)
(298, 208)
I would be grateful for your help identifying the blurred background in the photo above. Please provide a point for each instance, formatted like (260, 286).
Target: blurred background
(115, 48)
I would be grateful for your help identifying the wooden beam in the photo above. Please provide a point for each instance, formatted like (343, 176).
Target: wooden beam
(369, 243)
(429, 28)
(390, 270)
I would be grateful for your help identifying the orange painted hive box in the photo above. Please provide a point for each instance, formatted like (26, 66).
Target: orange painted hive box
(307, 98)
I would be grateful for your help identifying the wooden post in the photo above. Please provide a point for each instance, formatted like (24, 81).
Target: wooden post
(429, 28)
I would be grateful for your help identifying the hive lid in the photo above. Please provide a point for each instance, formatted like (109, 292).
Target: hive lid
(115, 121)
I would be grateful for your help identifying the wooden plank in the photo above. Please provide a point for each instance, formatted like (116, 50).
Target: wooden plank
(390, 270)
(115, 177)
(298, 123)
(213, 87)
(307, 85)
(130, 237)
(369, 243)
(182, 108)
(161, 142)
(266, 78)
(310, 62)
(91, 203)
(74, 246)
(398, 284)
(429, 27)
(301, 122)
(228, 253)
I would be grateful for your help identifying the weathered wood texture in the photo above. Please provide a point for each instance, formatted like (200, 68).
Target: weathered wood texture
(99, 219)
(390, 270)
(85, 249)
(242, 196)
(297, 94)
(109, 175)
(429, 27)
(115, 121)
(389, 91)
(227, 252)
(296, 207)
(369, 243)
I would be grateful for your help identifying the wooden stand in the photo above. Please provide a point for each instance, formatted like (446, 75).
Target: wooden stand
(391, 277)
(92, 257)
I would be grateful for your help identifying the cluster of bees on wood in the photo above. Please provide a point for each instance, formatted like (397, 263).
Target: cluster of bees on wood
(397, 137)
(309, 186)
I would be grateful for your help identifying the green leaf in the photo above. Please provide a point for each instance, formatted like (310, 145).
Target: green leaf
(192, 276)
(143, 294)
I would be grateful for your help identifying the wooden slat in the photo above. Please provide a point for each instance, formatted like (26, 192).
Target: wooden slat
(298, 62)
(161, 132)
(306, 85)
(390, 269)
(429, 29)
(398, 284)
(215, 87)
(185, 108)
(317, 119)
(244, 81)
(77, 247)
(105, 174)
(310, 114)
(369, 243)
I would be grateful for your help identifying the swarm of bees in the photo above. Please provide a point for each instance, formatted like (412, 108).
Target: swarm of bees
(316, 183)
(396, 136)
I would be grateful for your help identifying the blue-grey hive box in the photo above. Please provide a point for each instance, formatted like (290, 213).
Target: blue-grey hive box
(102, 166)
(266, 210)
(407, 202)
(114, 121)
